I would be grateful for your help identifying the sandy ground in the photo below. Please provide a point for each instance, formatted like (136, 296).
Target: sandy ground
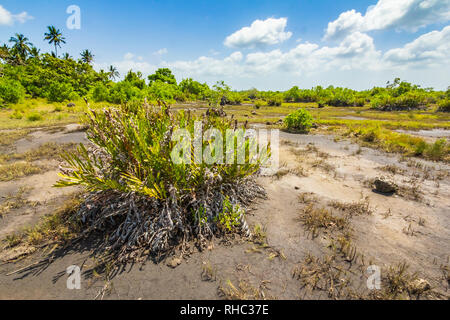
(400, 228)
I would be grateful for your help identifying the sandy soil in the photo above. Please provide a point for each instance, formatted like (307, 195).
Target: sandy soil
(400, 228)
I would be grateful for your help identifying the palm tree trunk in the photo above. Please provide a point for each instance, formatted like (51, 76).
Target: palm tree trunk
(56, 50)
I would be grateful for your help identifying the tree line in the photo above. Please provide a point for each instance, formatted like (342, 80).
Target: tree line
(26, 72)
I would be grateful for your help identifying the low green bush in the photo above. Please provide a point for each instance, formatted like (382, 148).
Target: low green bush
(11, 91)
(299, 120)
(59, 92)
(444, 105)
(166, 200)
(275, 101)
(34, 116)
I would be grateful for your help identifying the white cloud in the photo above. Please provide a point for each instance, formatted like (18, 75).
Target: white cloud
(261, 33)
(430, 49)
(160, 52)
(7, 18)
(356, 51)
(214, 52)
(387, 14)
(128, 56)
(208, 66)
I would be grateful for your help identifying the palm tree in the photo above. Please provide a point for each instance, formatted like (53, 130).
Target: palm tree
(66, 56)
(54, 36)
(21, 45)
(35, 52)
(113, 73)
(87, 56)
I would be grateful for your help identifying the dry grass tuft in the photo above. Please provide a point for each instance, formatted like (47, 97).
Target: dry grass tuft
(354, 208)
(323, 275)
(17, 170)
(15, 201)
(8, 137)
(244, 291)
(314, 218)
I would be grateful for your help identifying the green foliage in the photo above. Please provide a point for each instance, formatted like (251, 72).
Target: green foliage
(100, 92)
(164, 75)
(407, 101)
(124, 91)
(444, 105)
(135, 79)
(34, 116)
(11, 91)
(275, 100)
(59, 92)
(230, 216)
(194, 89)
(437, 150)
(136, 140)
(159, 90)
(38, 75)
(391, 141)
(299, 120)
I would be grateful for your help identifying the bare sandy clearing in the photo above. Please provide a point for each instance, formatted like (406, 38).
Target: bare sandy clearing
(316, 171)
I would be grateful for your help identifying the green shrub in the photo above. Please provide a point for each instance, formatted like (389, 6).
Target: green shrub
(275, 100)
(134, 168)
(124, 91)
(229, 218)
(299, 120)
(407, 101)
(17, 114)
(74, 96)
(444, 105)
(34, 116)
(438, 150)
(100, 93)
(11, 91)
(259, 104)
(59, 92)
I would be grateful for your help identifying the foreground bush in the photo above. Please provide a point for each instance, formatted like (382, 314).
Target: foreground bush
(11, 91)
(143, 201)
(300, 120)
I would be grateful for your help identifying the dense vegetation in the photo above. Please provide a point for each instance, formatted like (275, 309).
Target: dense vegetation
(143, 201)
(25, 72)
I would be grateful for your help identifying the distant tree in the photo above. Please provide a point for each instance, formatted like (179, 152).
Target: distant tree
(135, 79)
(35, 52)
(221, 86)
(66, 56)
(164, 75)
(87, 56)
(54, 36)
(21, 46)
(113, 73)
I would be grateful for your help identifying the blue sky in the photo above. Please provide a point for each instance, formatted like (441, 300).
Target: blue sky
(263, 44)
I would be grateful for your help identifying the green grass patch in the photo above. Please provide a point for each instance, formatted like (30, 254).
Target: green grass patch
(17, 170)
(398, 142)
